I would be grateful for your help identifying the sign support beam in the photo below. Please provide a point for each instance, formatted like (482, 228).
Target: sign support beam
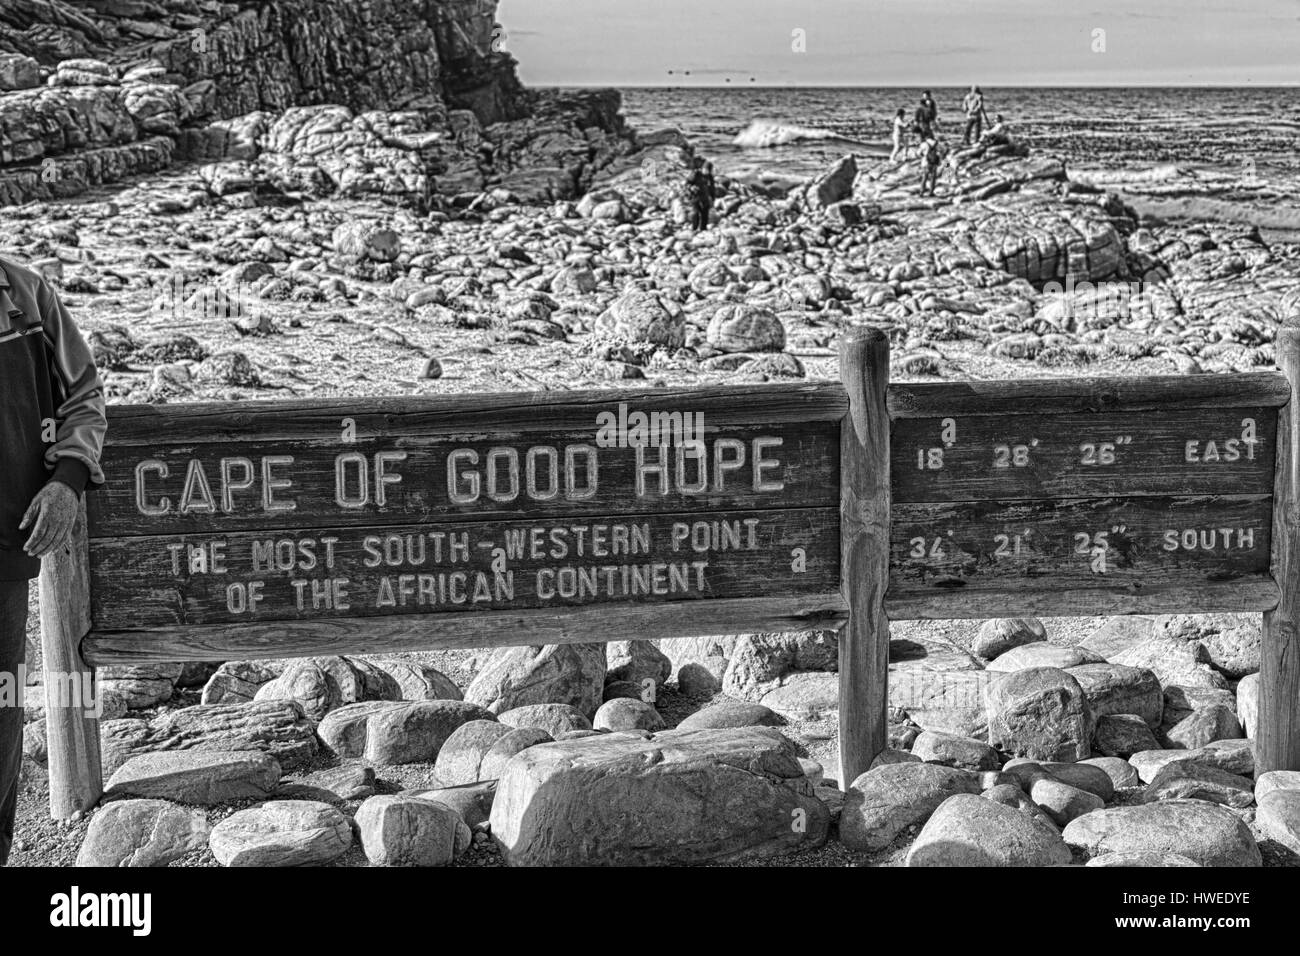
(864, 550)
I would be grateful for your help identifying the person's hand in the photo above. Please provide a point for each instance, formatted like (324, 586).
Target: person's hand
(50, 516)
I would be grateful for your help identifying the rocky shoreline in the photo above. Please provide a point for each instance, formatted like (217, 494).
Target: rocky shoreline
(229, 233)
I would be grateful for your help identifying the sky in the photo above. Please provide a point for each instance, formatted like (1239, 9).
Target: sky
(904, 42)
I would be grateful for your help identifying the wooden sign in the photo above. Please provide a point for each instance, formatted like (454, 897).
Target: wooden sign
(1153, 500)
(268, 520)
(280, 529)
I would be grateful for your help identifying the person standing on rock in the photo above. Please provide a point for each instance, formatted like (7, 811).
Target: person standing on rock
(900, 126)
(931, 156)
(927, 117)
(701, 188)
(52, 427)
(973, 106)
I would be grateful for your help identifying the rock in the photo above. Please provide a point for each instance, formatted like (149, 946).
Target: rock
(1122, 735)
(834, 185)
(883, 802)
(702, 679)
(1116, 689)
(512, 744)
(282, 833)
(143, 685)
(967, 830)
(1039, 712)
(237, 682)
(1141, 859)
(1062, 801)
(637, 661)
(1182, 701)
(1172, 660)
(417, 681)
(410, 831)
(1276, 780)
(1189, 780)
(1231, 641)
(999, 635)
(889, 755)
(553, 674)
(1208, 834)
(625, 713)
(1118, 634)
(642, 318)
(1203, 726)
(1278, 817)
(759, 662)
(953, 751)
(320, 685)
(949, 701)
(745, 328)
(349, 781)
(805, 695)
(1248, 703)
(1084, 776)
(1120, 771)
(555, 719)
(18, 72)
(686, 650)
(473, 801)
(731, 713)
(677, 797)
(395, 732)
(1041, 654)
(202, 777)
(142, 833)
(275, 727)
(462, 753)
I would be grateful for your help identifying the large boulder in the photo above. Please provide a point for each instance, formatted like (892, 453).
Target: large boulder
(237, 682)
(1172, 659)
(282, 833)
(731, 713)
(745, 328)
(758, 662)
(1041, 654)
(674, 798)
(275, 727)
(1039, 712)
(1189, 780)
(999, 635)
(967, 830)
(953, 751)
(396, 732)
(571, 674)
(143, 685)
(637, 661)
(1210, 835)
(410, 831)
(1248, 704)
(202, 777)
(323, 684)
(555, 719)
(462, 753)
(1278, 817)
(881, 803)
(1231, 641)
(1116, 689)
(416, 681)
(641, 318)
(832, 186)
(142, 833)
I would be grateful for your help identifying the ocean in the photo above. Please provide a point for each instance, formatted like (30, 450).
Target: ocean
(1222, 129)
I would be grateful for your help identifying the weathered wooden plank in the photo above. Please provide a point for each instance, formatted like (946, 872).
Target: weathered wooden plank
(466, 414)
(1277, 745)
(1062, 544)
(864, 540)
(71, 724)
(1030, 455)
(177, 486)
(414, 632)
(461, 568)
(1104, 394)
(1253, 593)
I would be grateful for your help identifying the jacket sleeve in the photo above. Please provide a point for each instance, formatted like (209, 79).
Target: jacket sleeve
(81, 419)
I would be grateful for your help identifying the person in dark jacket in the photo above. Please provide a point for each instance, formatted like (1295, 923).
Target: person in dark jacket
(926, 119)
(702, 189)
(52, 427)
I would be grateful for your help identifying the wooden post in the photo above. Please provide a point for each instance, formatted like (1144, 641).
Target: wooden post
(1277, 737)
(76, 781)
(864, 549)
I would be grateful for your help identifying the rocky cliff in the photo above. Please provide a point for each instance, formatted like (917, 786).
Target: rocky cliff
(406, 98)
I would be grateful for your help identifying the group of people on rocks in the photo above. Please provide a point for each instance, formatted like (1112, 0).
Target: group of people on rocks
(925, 128)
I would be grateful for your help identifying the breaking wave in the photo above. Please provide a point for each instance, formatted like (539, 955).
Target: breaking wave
(764, 134)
